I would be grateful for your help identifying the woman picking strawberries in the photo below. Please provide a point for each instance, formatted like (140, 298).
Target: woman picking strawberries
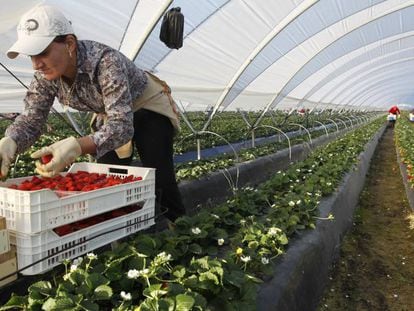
(131, 106)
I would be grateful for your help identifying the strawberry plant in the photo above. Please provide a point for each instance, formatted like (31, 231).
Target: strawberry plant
(212, 260)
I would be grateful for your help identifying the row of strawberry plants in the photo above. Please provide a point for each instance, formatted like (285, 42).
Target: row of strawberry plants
(24, 165)
(211, 261)
(199, 168)
(232, 127)
(404, 140)
(188, 170)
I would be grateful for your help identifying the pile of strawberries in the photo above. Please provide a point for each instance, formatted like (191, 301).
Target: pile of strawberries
(79, 181)
(91, 221)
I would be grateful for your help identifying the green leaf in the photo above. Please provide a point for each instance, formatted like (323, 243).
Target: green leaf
(154, 291)
(184, 302)
(95, 279)
(184, 222)
(209, 276)
(66, 287)
(249, 237)
(179, 272)
(43, 287)
(83, 290)
(88, 305)
(195, 249)
(103, 292)
(200, 303)
(166, 304)
(127, 284)
(200, 262)
(114, 273)
(175, 289)
(15, 302)
(77, 277)
(50, 304)
(235, 278)
(253, 244)
(211, 250)
(146, 244)
(254, 279)
(283, 239)
(59, 303)
(148, 305)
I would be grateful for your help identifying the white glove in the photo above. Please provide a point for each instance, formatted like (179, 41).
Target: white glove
(8, 149)
(64, 153)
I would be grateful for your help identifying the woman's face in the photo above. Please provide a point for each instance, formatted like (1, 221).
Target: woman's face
(53, 62)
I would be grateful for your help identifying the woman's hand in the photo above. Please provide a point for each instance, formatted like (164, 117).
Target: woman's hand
(64, 152)
(8, 149)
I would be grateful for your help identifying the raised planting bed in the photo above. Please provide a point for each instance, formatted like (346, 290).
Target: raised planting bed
(217, 186)
(403, 135)
(302, 272)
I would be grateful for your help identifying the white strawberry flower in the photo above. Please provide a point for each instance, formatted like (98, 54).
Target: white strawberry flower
(273, 231)
(245, 259)
(220, 242)
(265, 260)
(196, 230)
(126, 296)
(77, 261)
(133, 274)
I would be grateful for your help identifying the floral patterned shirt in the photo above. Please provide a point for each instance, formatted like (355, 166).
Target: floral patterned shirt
(107, 82)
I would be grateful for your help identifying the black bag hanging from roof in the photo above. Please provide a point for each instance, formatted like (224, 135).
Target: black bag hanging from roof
(172, 28)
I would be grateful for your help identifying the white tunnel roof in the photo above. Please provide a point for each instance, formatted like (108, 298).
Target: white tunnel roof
(247, 54)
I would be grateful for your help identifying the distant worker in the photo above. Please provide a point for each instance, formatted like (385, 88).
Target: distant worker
(411, 116)
(392, 116)
(394, 110)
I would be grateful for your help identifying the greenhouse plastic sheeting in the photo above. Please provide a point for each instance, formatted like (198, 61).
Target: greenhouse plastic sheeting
(246, 54)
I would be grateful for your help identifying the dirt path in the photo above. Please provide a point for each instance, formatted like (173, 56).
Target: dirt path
(375, 270)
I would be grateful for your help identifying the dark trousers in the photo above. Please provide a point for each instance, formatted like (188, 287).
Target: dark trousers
(153, 139)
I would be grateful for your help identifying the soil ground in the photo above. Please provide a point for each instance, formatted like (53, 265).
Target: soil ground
(375, 270)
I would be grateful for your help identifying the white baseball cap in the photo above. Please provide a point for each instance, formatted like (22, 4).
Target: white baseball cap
(37, 29)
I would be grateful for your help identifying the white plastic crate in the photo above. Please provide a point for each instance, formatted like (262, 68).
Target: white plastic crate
(33, 247)
(391, 117)
(39, 210)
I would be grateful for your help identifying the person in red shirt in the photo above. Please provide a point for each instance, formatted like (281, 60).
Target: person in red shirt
(394, 110)
(392, 117)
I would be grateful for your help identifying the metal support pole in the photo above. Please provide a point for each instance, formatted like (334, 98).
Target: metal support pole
(253, 138)
(324, 126)
(306, 130)
(343, 122)
(198, 149)
(287, 137)
(336, 124)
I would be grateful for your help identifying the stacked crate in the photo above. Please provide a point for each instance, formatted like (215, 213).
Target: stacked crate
(7, 255)
(33, 216)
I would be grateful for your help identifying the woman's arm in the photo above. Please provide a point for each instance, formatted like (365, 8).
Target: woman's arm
(87, 145)
(28, 126)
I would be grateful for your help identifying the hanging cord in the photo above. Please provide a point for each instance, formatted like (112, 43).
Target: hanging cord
(155, 217)
(53, 109)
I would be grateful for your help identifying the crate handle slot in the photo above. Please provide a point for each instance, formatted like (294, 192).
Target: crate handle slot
(118, 170)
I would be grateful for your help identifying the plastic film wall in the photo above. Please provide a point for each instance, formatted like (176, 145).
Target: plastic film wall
(247, 54)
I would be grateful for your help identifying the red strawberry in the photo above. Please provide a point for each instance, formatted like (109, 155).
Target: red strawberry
(46, 158)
